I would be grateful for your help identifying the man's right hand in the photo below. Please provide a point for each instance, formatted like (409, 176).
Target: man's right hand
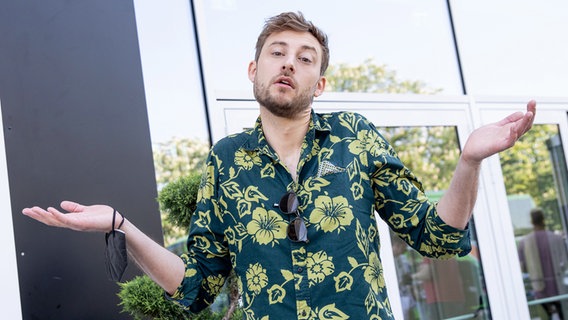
(95, 218)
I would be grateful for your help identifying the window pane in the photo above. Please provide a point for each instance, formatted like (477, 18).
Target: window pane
(171, 71)
(535, 180)
(411, 41)
(430, 288)
(513, 47)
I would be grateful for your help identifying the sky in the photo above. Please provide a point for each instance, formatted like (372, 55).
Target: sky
(507, 47)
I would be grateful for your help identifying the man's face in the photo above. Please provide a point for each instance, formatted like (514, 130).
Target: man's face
(286, 76)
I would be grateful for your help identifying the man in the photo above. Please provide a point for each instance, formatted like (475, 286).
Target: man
(543, 256)
(289, 204)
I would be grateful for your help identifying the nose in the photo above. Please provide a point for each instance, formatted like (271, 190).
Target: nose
(288, 65)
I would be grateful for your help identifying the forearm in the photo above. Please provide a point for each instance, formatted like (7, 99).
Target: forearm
(456, 205)
(161, 265)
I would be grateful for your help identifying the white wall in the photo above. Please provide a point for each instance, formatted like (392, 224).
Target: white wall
(10, 293)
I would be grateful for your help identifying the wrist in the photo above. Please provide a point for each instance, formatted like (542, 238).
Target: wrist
(117, 220)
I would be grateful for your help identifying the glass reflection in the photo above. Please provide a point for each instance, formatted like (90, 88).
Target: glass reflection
(431, 288)
(535, 180)
(385, 46)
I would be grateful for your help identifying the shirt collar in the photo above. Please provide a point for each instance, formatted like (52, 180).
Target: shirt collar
(257, 141)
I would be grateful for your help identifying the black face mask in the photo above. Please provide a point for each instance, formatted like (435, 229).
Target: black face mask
(116, 257)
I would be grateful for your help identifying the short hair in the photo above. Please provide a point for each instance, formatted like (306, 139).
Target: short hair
(292, 21)
(537, 217)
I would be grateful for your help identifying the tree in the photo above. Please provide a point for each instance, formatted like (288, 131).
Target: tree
(178, 157)
(372, 78)
(431, 152)
(174, 160)
(527, 169)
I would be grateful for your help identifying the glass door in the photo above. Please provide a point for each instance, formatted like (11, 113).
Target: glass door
(535, 180)
(493, 281)
(427, 136)
(431, 288)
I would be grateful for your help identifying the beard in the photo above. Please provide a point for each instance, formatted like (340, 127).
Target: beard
(288, 109)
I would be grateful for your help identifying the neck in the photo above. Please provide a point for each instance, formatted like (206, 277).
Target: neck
(286, 136)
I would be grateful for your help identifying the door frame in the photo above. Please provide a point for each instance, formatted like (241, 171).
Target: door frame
(494, 231)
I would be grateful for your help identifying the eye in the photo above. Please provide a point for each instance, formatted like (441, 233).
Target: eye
(305, 59)
(277, 53)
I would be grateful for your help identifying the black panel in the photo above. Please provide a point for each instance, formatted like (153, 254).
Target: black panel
(76, 128)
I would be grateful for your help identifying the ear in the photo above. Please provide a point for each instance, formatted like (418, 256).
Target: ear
(320, 86)
(252, 70)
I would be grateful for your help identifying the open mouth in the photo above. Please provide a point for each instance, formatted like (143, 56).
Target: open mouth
(285, 81)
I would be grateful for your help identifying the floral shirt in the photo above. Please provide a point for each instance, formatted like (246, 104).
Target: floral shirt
(347, 171)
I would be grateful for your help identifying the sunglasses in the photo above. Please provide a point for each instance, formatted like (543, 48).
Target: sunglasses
(297, 231)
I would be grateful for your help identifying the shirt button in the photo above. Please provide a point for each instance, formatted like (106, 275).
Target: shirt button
(300, 269)
(303, 313)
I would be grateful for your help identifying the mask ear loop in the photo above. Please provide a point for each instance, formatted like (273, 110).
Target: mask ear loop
(116, 268)
(114, 219)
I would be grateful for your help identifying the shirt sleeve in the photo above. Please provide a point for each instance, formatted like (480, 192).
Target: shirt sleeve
(401, 202)
(207, 263)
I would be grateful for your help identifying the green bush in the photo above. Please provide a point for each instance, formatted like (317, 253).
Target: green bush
(142, 298)
(179, 199)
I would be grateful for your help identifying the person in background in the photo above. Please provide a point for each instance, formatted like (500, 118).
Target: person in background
(290, 204)
(542, 254)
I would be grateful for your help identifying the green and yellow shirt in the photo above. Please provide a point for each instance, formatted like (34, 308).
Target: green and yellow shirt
(347, 171)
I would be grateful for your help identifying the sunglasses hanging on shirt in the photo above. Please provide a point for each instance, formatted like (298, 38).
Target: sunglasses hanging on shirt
(296, 231)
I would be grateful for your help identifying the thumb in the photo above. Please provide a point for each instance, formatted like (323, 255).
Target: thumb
(71, 206)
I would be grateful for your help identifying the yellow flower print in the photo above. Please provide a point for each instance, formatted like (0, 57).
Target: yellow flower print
(397, 220)
(404, 185)
(343, 281)
(357, 190)
(319, 267)
(252, 193)
(266, 226)
(256, 278)
(206, 186)
(245, 160)
(299, 255)
(372, 232)
(201, 243)
(249, 314)
(331, 214)
(231, 236)
(268, 171)
(374, 274)
(366, 141)
(276, 294)
(243, 207)
(190, 272)
(315, 184)
(412, 206)
(331, 312)
(204, 219)
(215, 284)
(451, 237)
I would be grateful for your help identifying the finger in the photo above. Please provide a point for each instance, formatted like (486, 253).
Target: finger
(71, 206)
(531, 107)
(512, 118)
(66, 220)
(42, 216)
(525, 124)
(529, 120)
